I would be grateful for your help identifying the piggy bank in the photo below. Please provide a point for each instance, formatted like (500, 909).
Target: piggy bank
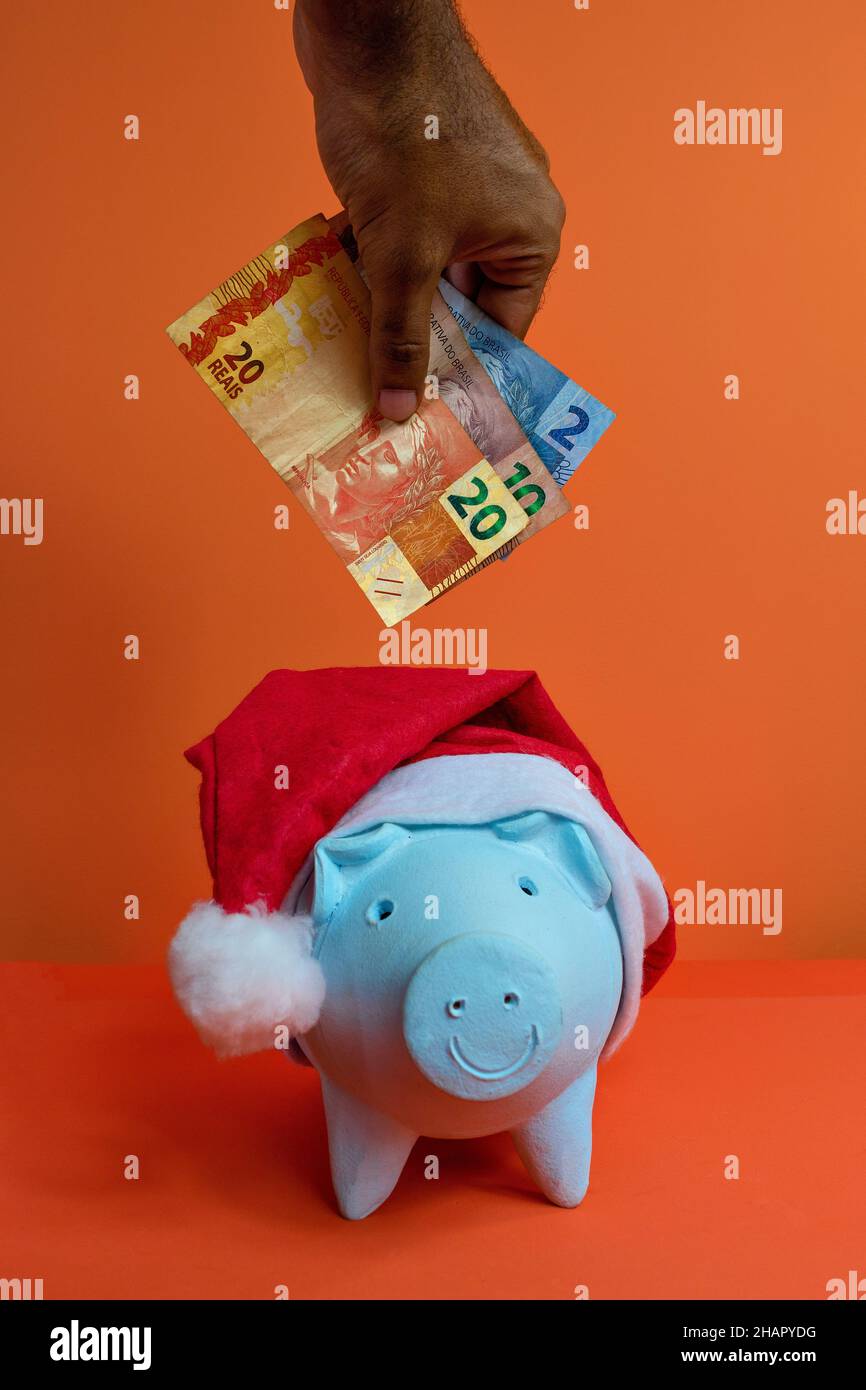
(472, 976)
(440, 909)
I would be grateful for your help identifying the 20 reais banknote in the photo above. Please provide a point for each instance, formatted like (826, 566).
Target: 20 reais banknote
(410, 508)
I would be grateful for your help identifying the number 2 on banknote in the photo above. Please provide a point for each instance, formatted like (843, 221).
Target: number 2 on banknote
(495, 513)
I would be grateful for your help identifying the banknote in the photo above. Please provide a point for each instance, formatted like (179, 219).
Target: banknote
(561, 419)
(455, 377)
(410, 508)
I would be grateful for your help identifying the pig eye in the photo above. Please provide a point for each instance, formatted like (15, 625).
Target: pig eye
(528, 886)
(379, 910)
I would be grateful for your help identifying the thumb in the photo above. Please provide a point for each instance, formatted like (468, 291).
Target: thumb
(401, 289)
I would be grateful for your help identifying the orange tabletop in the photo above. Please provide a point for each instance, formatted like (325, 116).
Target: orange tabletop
(762, 1064)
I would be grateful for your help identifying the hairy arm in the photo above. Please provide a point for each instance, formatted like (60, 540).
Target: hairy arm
(435, 169)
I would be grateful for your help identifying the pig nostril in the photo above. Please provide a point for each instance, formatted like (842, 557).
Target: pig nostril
(456, 1007)
(511, 1000)
(528, 886)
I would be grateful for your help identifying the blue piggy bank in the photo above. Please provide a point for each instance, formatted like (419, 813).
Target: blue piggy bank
(472, 976)
(441, 910)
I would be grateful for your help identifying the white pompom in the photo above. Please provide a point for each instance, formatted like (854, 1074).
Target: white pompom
(238, 975)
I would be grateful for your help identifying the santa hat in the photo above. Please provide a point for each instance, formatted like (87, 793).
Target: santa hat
(310, 754)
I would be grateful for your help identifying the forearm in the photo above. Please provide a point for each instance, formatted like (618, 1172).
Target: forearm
(376, 38)
(393, 59)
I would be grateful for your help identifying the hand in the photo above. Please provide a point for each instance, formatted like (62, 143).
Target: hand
(477, 200)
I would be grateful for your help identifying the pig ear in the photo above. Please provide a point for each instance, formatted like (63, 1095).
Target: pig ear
(339, 858)
(566, 844)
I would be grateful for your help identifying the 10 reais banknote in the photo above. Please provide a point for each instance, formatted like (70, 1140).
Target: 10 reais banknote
(410, 508)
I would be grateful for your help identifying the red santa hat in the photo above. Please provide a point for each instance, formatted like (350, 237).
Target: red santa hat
(310, 754)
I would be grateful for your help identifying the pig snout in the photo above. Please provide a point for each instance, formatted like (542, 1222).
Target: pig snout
(482, 1015)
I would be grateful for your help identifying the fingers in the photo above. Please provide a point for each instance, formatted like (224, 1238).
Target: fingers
(465, 277)
(512, 306)
(402, 273)
(513, 284)
(401, 288)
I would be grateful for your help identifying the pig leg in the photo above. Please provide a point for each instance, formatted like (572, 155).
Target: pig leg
(556, 1144)
(368, 1151)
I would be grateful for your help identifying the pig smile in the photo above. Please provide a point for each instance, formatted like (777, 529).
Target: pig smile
(493, 1073)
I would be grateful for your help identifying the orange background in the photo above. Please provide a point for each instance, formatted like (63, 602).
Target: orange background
(707, 516)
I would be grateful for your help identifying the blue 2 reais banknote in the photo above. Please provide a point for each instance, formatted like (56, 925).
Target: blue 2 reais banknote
(561, 420)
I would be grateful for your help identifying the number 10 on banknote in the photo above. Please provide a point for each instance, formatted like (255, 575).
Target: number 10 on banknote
(410, 508)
